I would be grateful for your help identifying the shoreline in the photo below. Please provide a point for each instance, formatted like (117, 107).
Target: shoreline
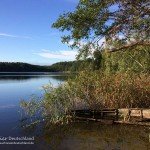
(131, 116)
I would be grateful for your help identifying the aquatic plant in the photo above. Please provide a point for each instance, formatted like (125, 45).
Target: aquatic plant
(93, 90)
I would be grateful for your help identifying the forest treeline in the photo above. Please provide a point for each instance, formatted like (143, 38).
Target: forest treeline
(21, 67)
(25, 67)
(137, 61)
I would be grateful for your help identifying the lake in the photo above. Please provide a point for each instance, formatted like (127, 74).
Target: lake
(81, 135)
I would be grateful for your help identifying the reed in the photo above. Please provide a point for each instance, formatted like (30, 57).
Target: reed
(92, 90)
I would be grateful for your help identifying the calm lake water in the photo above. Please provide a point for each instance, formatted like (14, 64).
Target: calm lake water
(77, 136)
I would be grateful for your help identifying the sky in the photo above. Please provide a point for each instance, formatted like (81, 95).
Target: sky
(26, 34)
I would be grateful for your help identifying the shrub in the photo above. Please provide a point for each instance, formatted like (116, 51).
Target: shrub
(93, 90)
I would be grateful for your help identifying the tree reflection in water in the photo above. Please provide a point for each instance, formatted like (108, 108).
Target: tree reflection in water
(94, 136)
(16, 78)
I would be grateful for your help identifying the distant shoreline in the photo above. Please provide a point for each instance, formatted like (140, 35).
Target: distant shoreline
(11, 67)
(30, 73)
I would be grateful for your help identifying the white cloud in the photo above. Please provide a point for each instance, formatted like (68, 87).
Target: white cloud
(61, 55)
(7, 35)
(13, 36)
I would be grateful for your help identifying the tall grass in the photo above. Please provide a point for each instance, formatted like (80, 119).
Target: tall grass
(92, 90)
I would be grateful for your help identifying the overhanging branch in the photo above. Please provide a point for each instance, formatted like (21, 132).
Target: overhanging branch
(131, 45)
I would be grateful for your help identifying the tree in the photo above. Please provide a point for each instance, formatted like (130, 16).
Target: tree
(97, 60)
(124, 24)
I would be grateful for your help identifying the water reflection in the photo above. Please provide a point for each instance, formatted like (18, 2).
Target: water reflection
(14, 88)
(93, 136)
(8, 78)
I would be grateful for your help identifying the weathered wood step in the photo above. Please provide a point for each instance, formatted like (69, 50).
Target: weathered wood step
(124, 115)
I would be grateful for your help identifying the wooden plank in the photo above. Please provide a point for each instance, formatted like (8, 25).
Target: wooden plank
(146, 113)
(124, 115)
(136, 113)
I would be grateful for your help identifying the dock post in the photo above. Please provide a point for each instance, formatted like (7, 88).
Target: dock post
(117, 114)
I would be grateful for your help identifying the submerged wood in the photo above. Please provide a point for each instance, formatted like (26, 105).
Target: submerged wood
(138, 116)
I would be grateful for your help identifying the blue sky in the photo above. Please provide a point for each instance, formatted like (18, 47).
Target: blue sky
(26, 34)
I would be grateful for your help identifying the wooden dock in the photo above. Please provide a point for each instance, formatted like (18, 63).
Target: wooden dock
(138, 116)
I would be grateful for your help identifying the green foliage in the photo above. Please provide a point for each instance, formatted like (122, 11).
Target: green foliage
(135, 61)
(73, 66)
(22, 67)
(94, 19)
(97, 60)
(54, 104)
